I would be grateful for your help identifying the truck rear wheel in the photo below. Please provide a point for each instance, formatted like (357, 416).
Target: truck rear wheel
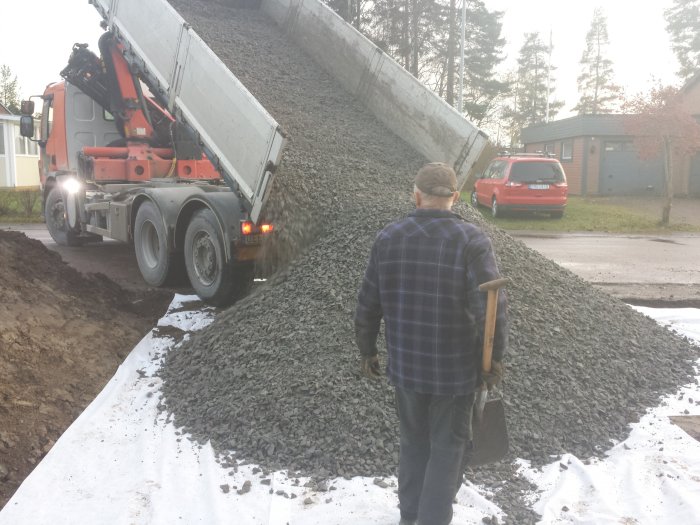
(151, 246)
(55, 217)
(215, 280)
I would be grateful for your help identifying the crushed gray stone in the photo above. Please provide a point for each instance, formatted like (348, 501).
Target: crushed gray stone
(275, 378)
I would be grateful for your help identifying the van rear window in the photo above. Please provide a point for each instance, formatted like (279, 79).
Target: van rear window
(534, 171)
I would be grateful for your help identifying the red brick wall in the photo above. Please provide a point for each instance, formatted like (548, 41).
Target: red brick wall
(573, 167)
(593, 168)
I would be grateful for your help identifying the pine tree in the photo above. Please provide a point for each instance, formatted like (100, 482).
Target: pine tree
(532, 100)
(683, 24)
(352, 11)
(424, 35)
(9, 90)
(483, 54)
(598, 93)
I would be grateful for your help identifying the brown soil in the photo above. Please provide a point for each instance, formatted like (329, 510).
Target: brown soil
(62, 336)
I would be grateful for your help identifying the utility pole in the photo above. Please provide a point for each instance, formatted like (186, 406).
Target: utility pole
(460, 95)
(549, 75)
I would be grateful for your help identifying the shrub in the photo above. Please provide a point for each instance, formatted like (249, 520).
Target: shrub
(20, 204)
(5, 202)
(27, 201)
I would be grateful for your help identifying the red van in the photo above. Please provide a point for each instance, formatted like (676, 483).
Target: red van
(521, 183)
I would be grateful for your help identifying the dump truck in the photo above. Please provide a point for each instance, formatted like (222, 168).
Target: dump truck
(156, 143)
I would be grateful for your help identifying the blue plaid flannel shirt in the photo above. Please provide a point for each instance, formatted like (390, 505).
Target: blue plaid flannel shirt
(423, 277)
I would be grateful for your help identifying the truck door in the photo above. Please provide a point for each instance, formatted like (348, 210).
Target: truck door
(87, 124)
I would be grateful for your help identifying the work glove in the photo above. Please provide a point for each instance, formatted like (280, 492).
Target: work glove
(369, 365)
(494, 377)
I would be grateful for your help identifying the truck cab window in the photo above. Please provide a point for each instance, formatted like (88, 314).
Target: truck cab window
(47, 119)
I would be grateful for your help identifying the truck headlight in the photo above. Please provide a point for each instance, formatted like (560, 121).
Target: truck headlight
(72, 185)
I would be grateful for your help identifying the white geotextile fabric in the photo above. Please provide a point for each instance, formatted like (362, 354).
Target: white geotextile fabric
(122, 462)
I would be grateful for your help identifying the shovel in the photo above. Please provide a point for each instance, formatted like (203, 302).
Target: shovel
(490, 434)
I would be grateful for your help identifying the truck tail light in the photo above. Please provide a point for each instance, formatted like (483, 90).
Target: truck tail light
(248, 228)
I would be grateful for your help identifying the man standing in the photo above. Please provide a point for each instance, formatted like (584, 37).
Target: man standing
(422, 278)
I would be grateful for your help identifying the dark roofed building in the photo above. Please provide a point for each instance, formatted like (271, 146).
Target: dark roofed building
(597, 154)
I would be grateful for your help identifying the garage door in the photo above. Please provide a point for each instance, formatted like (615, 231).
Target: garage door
(694, 181)
(622, 172)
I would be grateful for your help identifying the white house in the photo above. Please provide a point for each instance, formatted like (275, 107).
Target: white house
(19, 156)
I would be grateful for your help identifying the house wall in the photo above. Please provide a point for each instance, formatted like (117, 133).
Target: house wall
(6, 155)
(583, 171)
(27, 171)
(4, 173)
(595, 152)
(686, 178)
(17, 169)
(572, 167)
(691, 99)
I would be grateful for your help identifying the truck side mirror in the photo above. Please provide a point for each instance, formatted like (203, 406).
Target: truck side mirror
(27, 107)
(26, 125)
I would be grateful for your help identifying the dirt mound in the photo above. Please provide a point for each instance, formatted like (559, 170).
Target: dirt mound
(62, 336)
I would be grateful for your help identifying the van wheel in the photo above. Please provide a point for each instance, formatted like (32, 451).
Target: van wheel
(151, 246)
(474, 200)
(217, 281)
(55, 217)
(495, 211)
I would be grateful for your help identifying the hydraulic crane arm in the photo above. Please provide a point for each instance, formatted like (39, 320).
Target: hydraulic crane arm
(239, 136)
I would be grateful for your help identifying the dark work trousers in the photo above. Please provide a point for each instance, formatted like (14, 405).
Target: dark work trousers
(435, 432)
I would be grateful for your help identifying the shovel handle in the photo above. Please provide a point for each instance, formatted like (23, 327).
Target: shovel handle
(491, 287)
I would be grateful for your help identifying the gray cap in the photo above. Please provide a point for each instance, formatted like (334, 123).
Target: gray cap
(437, 178)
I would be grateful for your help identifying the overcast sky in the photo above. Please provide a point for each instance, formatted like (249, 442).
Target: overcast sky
(639, 44)
(36, 37)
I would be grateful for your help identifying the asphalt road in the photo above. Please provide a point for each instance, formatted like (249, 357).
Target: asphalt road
(641, 269)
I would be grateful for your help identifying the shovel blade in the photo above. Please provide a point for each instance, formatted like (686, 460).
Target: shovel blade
(490, 435)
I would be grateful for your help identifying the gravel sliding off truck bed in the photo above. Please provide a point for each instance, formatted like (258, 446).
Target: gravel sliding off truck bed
(184, 168)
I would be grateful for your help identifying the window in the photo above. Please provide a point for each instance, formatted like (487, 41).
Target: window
(567, 150)
(618, 146)
(32, 146)
(23, 145)
(549, 148)
(47, 119)
(20, 143)
(496, 170)
(533, 171)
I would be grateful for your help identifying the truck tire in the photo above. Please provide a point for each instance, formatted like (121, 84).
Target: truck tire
(151, 245)
(55, 217)
(215, 280)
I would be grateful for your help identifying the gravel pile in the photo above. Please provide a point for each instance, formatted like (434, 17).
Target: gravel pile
(275, 377)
